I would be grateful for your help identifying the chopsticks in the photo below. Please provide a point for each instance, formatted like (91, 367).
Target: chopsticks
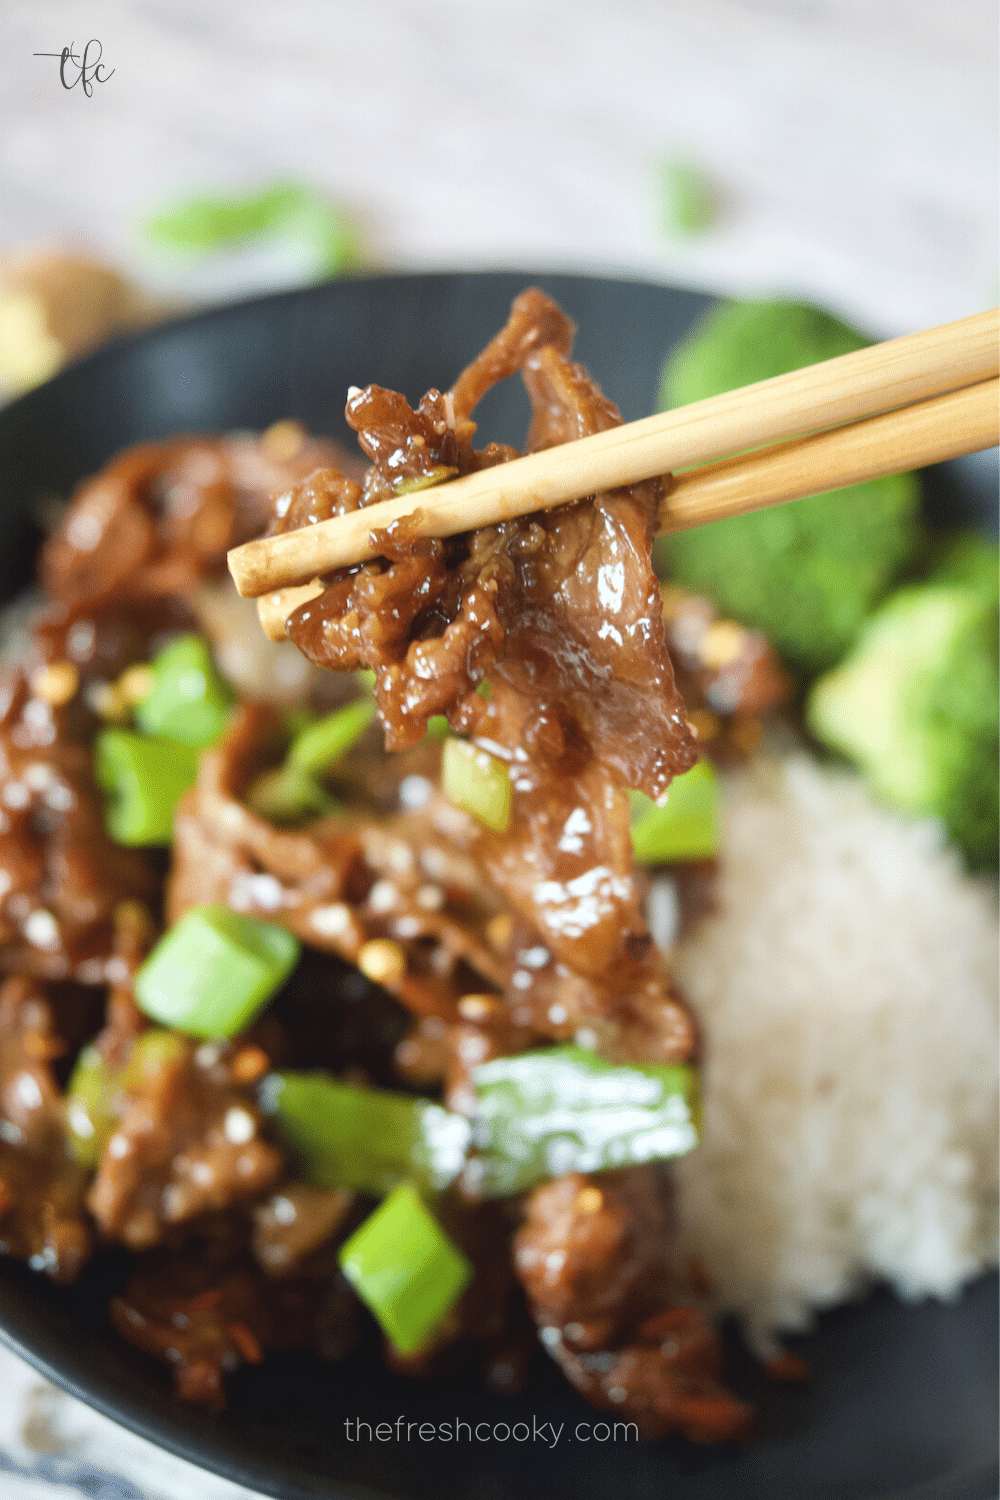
(898, 405)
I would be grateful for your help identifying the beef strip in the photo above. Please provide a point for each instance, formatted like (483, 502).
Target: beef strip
(562, 613)
(341, 884)
(205, 1310)
(161, 515)
(730, 676)
(61, 876)
(595, 1255)
(187, 1142)
(42, 1217)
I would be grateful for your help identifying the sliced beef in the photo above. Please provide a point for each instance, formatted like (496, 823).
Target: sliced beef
(61, 876)
(595, 1255)
(42, 1216)
(161, 515)
(188, 1142)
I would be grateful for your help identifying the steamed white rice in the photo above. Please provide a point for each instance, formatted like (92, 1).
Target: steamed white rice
(847, 990)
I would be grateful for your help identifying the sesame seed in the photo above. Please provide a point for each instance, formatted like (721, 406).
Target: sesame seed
(382, 961)
(239, 1126)
(477, 1007)
(56, 683)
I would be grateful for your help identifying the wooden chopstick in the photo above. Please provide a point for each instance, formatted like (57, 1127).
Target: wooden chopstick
(929, 433)
(871, 381)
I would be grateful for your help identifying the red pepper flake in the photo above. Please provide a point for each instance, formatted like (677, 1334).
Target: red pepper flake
(671, 1320)
(249, 1064)
(788, 1367)
(204, 1301)
(246, 1343)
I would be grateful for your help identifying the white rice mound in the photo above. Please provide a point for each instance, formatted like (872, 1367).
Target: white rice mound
(847, 990)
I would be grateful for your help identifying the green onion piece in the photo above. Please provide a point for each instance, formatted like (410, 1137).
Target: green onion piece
(95, 1091)
(291, 210)
(543, 1114)
(405, 1269)
(362, 1138)
(153, 1051)
(212, 972)
(685, 827)
(477, 782)
(688, 200)
(366, 676)
(423, 481)
(288, 795)
(189, 702)
(90, 1116)
(437, 727)
(322, 744)
(293, 792)
(142, 779)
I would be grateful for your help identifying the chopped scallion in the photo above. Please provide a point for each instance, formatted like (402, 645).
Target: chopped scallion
(405, 1269)
(686, 826)
(477, 782)
(423, 481)
(189, 702)
(543, 1114)
(142, 779)
(294, 792)
(90, 1118)
(362, 1138)
(214, 970)
(320, 745)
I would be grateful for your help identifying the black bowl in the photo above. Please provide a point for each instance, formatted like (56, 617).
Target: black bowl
(902, 1400)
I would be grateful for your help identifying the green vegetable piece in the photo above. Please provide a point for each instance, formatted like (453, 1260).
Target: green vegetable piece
(405, 1269)
(142, 779)
(915, 705)
(95, 1092)
(688, 199)
(290, 796)
(290, 210)
(153, 1051)
(90, 1114)
(214, 970)
(294, 792)
(968, 558)
(423, 481)
(543, 1114)
(685, 827)
(322, 744)
(477, 782)
(437, 727)
(189, 702)
(367, 1139)
(806, 574)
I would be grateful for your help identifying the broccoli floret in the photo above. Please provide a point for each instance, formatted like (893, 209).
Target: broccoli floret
(806, 574)
(915, 703)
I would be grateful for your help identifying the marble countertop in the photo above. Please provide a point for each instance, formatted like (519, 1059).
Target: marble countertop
(851, 146)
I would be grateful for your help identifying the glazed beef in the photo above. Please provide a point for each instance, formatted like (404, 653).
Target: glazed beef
(563, 607)
(187, 1142)
(162, 515)
(207, 1309)
(42, 1217)
(595, 1255)
(61, 876)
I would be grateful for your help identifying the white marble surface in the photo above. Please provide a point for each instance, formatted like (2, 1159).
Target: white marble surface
(852, 143)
